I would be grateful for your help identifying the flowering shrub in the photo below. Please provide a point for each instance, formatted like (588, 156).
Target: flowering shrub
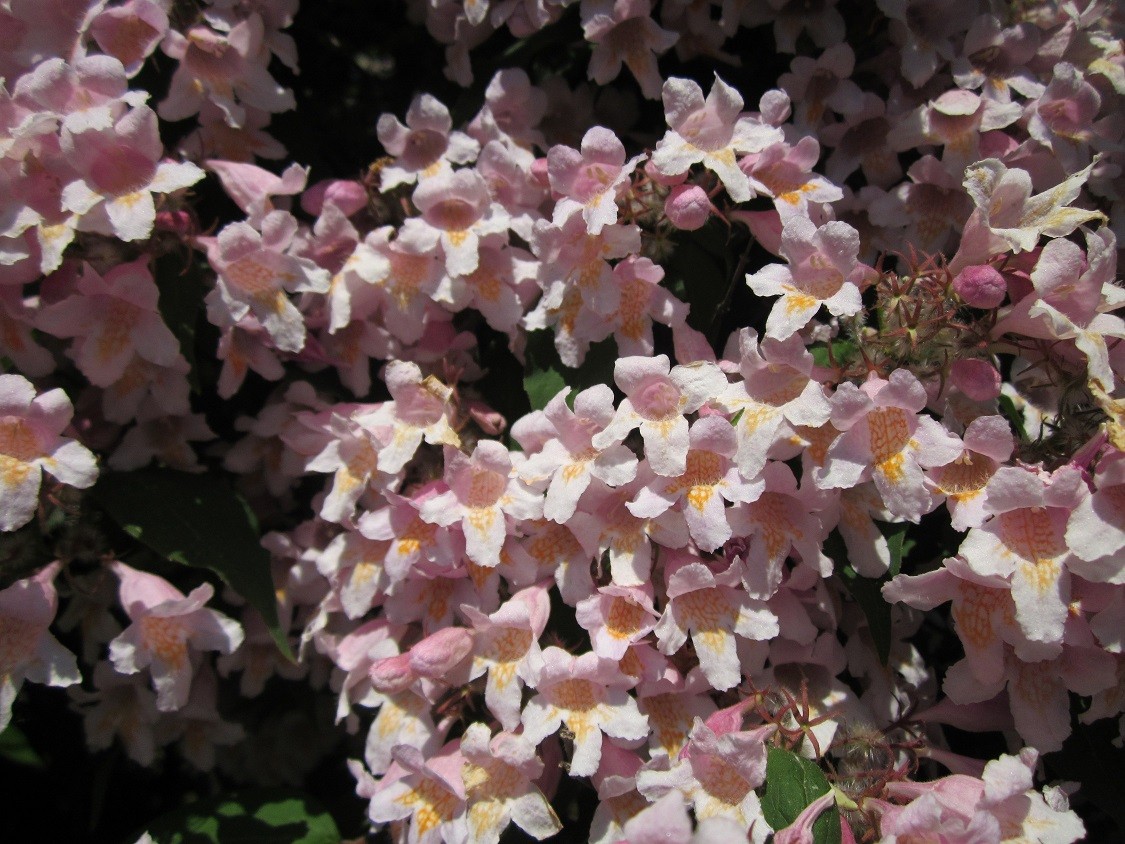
(727, 449)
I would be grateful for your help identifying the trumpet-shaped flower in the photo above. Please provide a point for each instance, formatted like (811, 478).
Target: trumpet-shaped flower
(586, 694)
(30, 439)
(822, 271)
(27, 650)
(167, 628)
(656, 400)
(710, 132)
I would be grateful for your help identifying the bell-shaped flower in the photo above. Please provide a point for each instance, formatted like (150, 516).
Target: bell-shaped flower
(1095, 531)
(482, 493)
(167, 630)
(421, 408)
(776, 388)
(1009, 217)
(616, 617)
(587, 694)
(507, 648)
(623, 32)
(119, 170)
(710, 476)
(711, 132)
(988, 444)
(428, 792)
(28, 651)
(499, 774)
(568, 460)
(823, 270)
(589, 181)
(30, 439)
(423, 147)
(719, 775)
(114, 318)
(656, 400)
(457, 211)
(711, 608)
(1025, 541)
(255, 271)
(887, 441)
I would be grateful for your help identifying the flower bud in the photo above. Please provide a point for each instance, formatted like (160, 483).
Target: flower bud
(687, 207)
(981, 286)
(977, 379)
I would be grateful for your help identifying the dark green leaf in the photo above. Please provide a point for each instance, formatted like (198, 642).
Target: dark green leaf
(699, 273)
(792, 783)
(14, 747)
(868, 591)
(182, 287)
(195, 520)
(273, 816)
(545, 375)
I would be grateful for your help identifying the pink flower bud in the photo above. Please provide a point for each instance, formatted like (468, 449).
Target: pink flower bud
(981, 286)
(977, 379)
(438, 654)
(347, 195)
(688, 207)
(177, 222)
(393, 674)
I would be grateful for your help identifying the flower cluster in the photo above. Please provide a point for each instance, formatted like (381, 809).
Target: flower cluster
(683, 550)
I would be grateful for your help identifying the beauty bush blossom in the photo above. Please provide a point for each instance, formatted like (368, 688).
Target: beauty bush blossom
(31, 426)
(606, 448)
(822, 270)
(711, 132)
(167, 629)
(587, 695)
(657, 397)
(27, 650)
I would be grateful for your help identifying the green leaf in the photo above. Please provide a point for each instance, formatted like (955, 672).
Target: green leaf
(792, 783)
(545, 375)
(868, 591)
(182, 289)
(196, 520)
(262, 816)
(14, 747)
(842, 351)
(699, 273)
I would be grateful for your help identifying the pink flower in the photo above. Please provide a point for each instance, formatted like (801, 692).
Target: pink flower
(568, 461)
(227, 69)
(656, 400)
(712, 608)
(499, 774)
(425, 146)
(30, 439)
(822, 270)
(591, 180)
(719, 775)
(483, 492)
(507, 648)
(710, 477)
(119, 170)
(114, 319)
(255, 272)
(27, 650)
(886, 440)
(587, 694)
(457, 212)
(130, 32)
(622, 31)
(711, 132)
(166, 631)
